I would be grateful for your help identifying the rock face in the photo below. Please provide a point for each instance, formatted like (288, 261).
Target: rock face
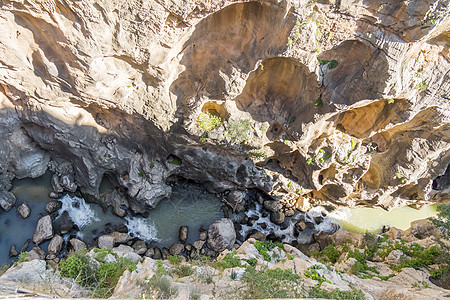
(221, 235)
(44, 230)
(337, 101)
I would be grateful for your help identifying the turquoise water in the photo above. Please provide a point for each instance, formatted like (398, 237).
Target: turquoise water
(14, 229)
(189, 205)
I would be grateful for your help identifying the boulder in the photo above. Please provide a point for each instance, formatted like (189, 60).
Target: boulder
(77, 244)
(422, 229)
(176, 249)
(183, 234)
(273, 205)
(203, 235)
(133, 256)
(44, 230)
(24, 210)
(140, 247)
(25, 246)
(117, 201)
(7, 200)
(157, 254)
(64, 223)
(53, 206)
(120, 237)
(165, 253)
(150, 252)
(257, 235)
(221, 235)
(105, 241)
(29, 271)
(198, 244)
(55, 245)
(396, 257)
(56, 186)
(121, 250)
(68, 183)
(277, 217)
(12, 251)
(37, 253)
(234, 198)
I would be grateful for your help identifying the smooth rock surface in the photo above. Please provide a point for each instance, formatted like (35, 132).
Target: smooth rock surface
(44, 230)
(221, 235)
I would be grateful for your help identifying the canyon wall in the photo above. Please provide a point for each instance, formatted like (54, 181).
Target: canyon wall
(340, 103)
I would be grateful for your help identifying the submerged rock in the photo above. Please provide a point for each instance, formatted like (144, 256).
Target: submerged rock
(12, 251)
(183, 234)
(221, 235)
(24, 210)
(44, 230)
(7, 200)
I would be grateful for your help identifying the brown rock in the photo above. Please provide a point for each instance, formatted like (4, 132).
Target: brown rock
(77, 244)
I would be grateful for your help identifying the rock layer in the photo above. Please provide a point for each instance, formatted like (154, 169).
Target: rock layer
(342, 103)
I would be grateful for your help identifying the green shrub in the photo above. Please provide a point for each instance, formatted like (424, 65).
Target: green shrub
(183, 271)
(24, 256)
(238, 131)
(174, 259)
(266, 283)
(312, 273)
(100, 278)
(229, 261)
(208, 122)
(264, 247)
(316, 292)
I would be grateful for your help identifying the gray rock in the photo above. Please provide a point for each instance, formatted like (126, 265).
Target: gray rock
(117, 201)
(68, 183)
(37, 253)
(273, 205)
(30, 271)
(257, 235)
(188, 247)
(176, 249)
(235, 197)
(24, 210)
(203, 235)
(121, 250)
(53, 206)
(77, 244)
(25, 246)
(260, 198)
(396, 257)
(140, 247)
(165, 253)
(134, 257)
(56, 186)
(183, 234)
(120, 237)
(158, 254)
(221, 235)
(106, 241)
(55, 245)
(150, 252)
(44, 230)
(12, 251)
(7, 200)
(53, 195)
(198, 244)
(277, 217)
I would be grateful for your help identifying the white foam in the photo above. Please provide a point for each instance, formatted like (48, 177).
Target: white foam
(142, 228)
(79, 211)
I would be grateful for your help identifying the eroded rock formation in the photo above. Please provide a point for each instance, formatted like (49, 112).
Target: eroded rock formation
(341, 102)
